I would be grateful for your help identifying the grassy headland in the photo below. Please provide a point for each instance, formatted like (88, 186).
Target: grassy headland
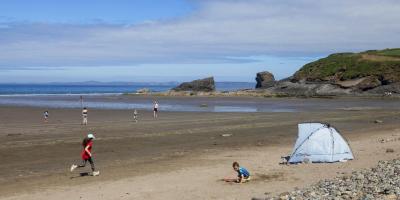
(382, 64)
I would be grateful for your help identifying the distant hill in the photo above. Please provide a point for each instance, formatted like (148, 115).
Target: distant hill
(382, 65)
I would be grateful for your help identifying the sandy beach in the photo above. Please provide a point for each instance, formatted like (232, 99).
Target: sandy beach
(256, 100)
(181, 155)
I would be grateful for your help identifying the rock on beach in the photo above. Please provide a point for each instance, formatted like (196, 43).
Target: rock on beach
(380, 182)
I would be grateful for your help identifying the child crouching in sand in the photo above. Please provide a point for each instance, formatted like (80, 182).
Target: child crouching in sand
(243, 174)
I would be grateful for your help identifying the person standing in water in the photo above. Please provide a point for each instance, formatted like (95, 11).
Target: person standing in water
(155, 109)
(86, 155)
(135, 115)
(46, 116)
(84, 116)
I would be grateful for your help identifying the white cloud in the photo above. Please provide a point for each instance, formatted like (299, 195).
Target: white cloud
(216, 32)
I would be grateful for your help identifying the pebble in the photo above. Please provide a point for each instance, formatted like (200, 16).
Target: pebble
(380, 182)
(389, 150)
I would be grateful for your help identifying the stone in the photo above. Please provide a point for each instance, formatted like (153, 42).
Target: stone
(284, 196)
(307, 161)
(143, 91)
(387, 90)
(380, 182)
(200, 85)
(389, 150)
(360, 176)
(265, 80)
(368, 83)
(391, 197)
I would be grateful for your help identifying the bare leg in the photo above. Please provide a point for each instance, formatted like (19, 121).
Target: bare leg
(84, 121)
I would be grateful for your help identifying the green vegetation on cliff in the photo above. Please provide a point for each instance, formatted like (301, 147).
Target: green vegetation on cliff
(382, 64)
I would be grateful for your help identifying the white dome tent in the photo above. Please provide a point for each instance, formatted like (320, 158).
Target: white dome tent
(319, 142)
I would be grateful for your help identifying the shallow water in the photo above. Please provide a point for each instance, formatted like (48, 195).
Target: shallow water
(199, 104)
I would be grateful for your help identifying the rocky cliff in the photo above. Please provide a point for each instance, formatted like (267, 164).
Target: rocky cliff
(369, 72)
(265, 79)
(363, 71)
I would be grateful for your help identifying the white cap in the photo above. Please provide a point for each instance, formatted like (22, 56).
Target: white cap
(90, 136)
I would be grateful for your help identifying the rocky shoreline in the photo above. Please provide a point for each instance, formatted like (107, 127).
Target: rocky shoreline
(380, 182)
(265, 93)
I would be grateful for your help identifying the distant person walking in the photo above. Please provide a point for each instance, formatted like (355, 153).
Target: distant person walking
(46, 116)
(155, 109)
(135, 115)
(84, 116)
(86, 155)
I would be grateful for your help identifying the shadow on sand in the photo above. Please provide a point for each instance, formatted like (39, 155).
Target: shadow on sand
(82, 174)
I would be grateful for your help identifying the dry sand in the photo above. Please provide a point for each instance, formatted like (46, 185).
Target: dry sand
(178, 156)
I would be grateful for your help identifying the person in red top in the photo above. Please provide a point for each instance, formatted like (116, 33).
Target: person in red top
(87, 154)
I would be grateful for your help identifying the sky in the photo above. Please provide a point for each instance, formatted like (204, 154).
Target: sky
(180, 40)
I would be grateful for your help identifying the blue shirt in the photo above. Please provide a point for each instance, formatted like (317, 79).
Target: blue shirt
(244, 172)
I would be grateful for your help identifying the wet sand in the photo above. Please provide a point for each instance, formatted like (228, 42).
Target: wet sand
(201, 103)
(181, 155)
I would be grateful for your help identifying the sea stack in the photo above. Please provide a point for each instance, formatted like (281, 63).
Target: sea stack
(265, 79)
(200, 85)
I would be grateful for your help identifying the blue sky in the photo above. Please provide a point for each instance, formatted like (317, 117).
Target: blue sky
(93, 11)
(179, 40)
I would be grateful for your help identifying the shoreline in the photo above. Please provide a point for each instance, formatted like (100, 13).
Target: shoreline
(237, 104)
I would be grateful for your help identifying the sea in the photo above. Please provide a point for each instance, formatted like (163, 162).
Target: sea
(102, 88)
